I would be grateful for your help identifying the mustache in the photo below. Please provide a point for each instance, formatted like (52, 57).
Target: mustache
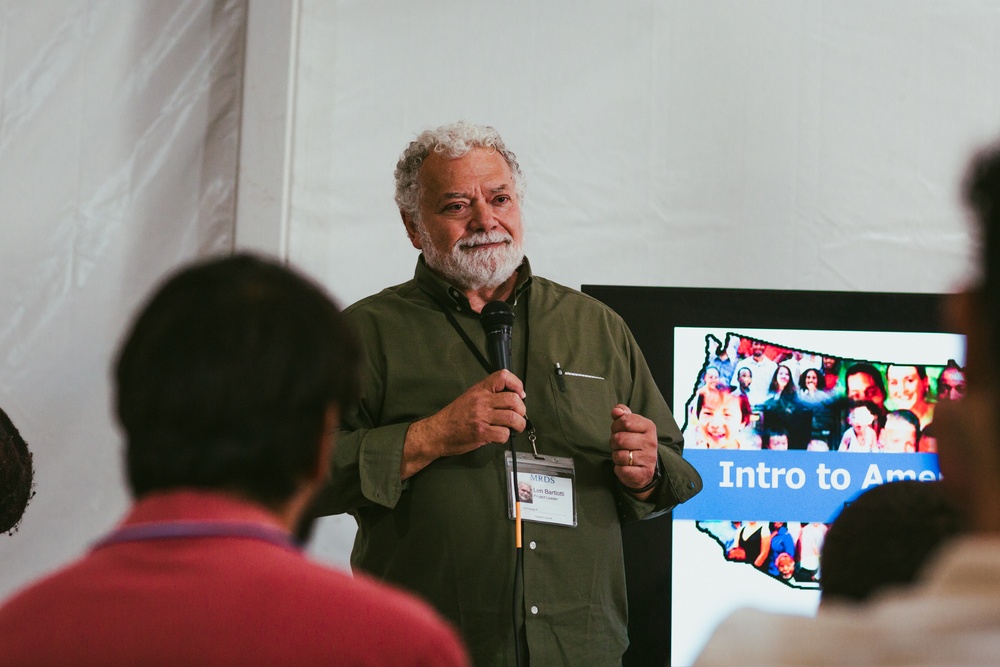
(484, 238)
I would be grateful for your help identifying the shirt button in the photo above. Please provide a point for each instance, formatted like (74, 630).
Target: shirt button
(532, 545)
(534, 609)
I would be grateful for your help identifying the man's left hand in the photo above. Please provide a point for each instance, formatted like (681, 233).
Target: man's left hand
(633, 449)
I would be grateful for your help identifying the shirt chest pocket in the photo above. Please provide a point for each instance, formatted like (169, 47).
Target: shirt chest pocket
(583, 409)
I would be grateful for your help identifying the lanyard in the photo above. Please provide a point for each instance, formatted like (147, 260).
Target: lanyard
(163, 530)
(486, 365)
(472, 346)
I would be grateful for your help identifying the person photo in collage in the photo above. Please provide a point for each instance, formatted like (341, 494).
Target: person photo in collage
(754, 394)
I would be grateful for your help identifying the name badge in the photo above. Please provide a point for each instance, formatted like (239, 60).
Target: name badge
(546, 487)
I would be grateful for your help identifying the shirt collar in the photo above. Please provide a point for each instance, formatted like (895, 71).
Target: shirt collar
(195, 504)
(441, 289)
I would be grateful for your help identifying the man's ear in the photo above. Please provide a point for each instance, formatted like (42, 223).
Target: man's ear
(411, 229)
(964, 313)
(328, 438)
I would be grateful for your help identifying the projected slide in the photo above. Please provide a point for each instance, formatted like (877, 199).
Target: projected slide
(785, 427)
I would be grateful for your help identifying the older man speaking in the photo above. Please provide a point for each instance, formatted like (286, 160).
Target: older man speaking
(423, 466)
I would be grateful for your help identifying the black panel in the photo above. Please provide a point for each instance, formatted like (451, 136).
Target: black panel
(652, 313)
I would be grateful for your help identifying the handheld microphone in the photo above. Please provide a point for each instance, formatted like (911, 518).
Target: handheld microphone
(497, 319)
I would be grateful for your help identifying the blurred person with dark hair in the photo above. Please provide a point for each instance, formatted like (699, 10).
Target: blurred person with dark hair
(810, 383)
(776, 439)
(862, 436)
(798, 362)
(723, 361)
(782, 384)
(744, 379)
(17, 475)
(762, 367)
(951, 613)
(709, 376)
(783, 410)
(951, 383)
(229, 387)
(884, 538)
(831, 375)
(864, 383)
(819, 403)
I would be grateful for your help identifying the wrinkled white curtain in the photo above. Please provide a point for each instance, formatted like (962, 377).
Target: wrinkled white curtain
(119, 137)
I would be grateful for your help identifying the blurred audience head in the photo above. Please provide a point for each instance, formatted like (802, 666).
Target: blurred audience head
(951, 383)
(884, 538)
(229, 379)
(17, 475)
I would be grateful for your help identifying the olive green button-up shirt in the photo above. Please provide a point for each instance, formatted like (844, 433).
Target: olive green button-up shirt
(444, 533)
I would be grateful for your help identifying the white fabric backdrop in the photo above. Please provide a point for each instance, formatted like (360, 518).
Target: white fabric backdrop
(764, 144)
(118, 146)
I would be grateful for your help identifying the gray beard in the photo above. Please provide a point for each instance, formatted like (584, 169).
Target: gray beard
(471, 269)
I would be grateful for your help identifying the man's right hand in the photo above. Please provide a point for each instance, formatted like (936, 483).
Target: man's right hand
(486, 412)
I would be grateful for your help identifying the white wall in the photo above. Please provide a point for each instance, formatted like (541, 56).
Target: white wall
(764, 144)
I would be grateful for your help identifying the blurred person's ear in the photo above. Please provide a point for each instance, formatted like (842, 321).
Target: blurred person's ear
(300, 514)
(328, 440)
(967, 313)
(968, 443)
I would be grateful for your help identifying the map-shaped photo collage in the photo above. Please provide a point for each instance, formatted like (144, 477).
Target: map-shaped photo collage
(759, 395)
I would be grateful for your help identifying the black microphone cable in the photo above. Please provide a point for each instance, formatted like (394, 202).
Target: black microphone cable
(497, 318)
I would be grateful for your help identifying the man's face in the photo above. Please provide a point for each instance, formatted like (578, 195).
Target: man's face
(469, 222)
(861, 387)
(720, 419)
(951, 385)
(906, 387)
(898, 436)
(744, 378)
(757, 350)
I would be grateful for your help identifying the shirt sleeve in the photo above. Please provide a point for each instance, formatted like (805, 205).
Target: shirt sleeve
(367, 456)
(680, 481)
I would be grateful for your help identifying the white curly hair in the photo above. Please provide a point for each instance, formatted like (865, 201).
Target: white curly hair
(454, 140)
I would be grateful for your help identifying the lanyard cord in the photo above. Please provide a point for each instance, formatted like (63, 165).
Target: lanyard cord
(518, 600)
(472, 346)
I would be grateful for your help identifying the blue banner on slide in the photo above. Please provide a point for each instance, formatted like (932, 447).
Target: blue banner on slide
(766, 485)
